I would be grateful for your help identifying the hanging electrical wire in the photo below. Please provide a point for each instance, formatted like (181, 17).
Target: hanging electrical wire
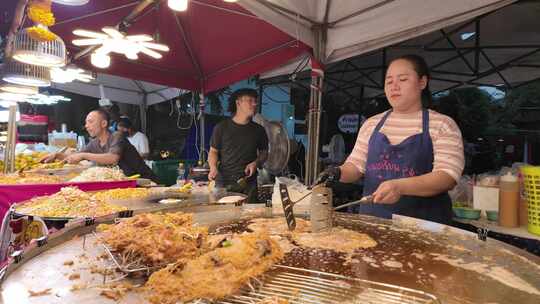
(301, 65)
(274, 100)
(186, 112)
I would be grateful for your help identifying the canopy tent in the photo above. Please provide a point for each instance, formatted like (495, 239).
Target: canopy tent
(482, 51)
(212, 44)
(351, 27)
(121, 89)
(338, 30)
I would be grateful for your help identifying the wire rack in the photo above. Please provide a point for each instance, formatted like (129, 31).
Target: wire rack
(296, 285)
(126, 264)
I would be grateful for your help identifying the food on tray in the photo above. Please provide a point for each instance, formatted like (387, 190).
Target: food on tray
(28, 160)
(278, 225)
(68, 202)
(100, 174)
(185, 188)
(116, 291)
(40, 293)
(216, 274)
(53, 165)
(122, 194)
(156, 239)
(27, 178)
(231, 199)
(337, 239)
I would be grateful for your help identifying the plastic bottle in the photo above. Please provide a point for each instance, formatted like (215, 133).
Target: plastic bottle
(180, 180)
(509, 201)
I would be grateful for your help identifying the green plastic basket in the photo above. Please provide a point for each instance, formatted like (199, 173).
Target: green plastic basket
(531, 184)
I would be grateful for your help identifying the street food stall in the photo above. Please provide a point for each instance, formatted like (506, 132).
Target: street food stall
(93, 237)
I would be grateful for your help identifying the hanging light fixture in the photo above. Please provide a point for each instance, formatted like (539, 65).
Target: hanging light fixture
(43, 53)
(178, 5)
(112, 40)
(6, 104)
(71, 2)
(69, 74)
(43, 99)
(230, 1)
(26, 74)
(100, 60)
(17, 89)
(12, 97)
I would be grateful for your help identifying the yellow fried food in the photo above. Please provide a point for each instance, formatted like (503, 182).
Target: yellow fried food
(28, 161)
(21, 179)
(216, 274)
(53, 165)
(122, 194)
(186, 188)
(68, 202)
(156, 239)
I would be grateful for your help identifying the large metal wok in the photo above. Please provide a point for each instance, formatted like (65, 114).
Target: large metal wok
(452, 264)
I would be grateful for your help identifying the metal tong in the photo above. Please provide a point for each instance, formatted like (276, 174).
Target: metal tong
(368, 199)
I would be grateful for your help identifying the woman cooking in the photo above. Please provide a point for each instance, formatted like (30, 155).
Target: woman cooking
(408, 156)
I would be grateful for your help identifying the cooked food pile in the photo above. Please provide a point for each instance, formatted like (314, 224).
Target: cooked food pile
(337, 239)
(186, 188)
(122, 194)
(53, 165)
(100, 174)
(156, 239)
(28, 178)
(215, 274)
(94, 174)
(68, 202)
(28, 160)
(278, 226)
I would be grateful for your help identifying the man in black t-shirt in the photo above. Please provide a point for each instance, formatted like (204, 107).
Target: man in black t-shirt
(238, 146)
(107, 149)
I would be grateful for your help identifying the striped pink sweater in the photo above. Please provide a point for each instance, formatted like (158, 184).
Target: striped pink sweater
(444, 132)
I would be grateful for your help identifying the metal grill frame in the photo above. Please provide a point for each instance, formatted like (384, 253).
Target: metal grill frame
(127, 269)
(299, 285)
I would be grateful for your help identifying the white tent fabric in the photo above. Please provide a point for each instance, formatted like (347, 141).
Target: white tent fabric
(359, 26)
(122, 90)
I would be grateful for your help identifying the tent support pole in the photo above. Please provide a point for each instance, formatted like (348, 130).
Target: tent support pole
(202, 148)
(9, 154)
(142, 110)
(314, 112)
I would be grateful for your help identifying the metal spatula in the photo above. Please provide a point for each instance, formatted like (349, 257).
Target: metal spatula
(287, 207)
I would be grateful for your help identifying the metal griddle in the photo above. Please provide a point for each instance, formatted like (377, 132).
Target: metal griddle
(402, 240)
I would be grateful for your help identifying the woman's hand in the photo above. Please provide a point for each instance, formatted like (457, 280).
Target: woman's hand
(388, 192)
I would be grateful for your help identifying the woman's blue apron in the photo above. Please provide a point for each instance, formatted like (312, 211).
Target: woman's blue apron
(412, 157)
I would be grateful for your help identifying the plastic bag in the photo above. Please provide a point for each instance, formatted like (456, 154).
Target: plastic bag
(462, 193)
(299, 194)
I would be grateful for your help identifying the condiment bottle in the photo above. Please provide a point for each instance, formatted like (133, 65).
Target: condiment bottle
(509, 201)
(181, 179)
